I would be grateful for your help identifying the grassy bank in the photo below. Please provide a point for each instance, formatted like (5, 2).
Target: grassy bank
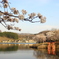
(45, 45)
(5, 38)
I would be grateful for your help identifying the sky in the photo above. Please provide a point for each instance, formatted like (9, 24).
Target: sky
(48, 8)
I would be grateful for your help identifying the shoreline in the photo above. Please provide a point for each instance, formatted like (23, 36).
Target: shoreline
(18, 43)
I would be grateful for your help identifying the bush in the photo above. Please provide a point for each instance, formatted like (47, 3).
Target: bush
(9, 35)
(1, 34)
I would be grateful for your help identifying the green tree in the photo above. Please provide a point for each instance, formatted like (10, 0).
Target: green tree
(9, 35)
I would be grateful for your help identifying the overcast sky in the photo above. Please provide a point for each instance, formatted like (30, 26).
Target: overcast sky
(48, 8)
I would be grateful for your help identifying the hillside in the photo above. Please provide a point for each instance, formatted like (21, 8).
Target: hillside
(25, 36)
(47, 36)
(5, 38)
(10, 35)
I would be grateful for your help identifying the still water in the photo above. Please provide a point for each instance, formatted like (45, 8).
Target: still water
(22, 51)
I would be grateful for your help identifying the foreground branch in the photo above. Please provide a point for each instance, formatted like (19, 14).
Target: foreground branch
(15, 16)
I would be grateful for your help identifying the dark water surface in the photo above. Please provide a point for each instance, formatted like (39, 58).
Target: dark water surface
(22, 51)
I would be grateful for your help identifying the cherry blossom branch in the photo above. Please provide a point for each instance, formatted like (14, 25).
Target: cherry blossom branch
(15, 16)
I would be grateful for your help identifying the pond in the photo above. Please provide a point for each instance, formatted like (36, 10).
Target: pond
(22, 51)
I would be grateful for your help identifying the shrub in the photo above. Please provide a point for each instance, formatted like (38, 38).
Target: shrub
(9, 35)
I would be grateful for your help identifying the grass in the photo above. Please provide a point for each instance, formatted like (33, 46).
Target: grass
(5, 38)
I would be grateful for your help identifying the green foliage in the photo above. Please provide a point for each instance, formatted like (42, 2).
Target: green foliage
(1, 34)
(9, 35)
(11, 48)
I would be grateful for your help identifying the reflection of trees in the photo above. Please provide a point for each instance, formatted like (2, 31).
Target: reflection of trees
(57, 52)
(39, 54)
(9, 48)
(52, 57)
(23, 46)
(13, 47)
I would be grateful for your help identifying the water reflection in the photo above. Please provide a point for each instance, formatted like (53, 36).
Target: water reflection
(8, 47)
(13, 47)
(52, 48)
(24, 52)
(43, 54)
(51, 51)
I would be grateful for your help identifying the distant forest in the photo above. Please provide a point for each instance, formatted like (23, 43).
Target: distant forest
(9, 35)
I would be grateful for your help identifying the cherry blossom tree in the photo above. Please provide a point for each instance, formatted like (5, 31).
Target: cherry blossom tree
(40, 38)
(49, 35)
